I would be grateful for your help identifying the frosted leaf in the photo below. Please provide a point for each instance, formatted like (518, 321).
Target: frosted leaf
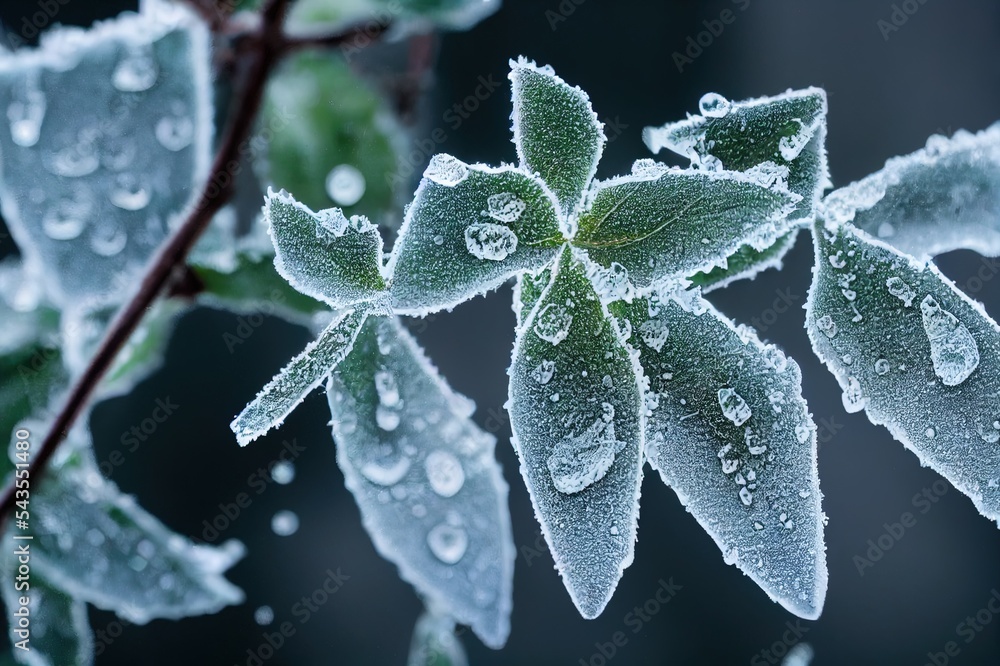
(941, 198)
(450, 249)
(611, 283)
(745, 263)
(928, 373)
(60, 632)
(98, 546)
(543, 373)
(431, 494)
(654, 333)
(297, 379)
(486, 240)
(556, 132)
(581, 454)
(680, 222)
(787, 130)
(434, 643)
(954, 352)
(87, 189)
(742, 479)
(325, 255)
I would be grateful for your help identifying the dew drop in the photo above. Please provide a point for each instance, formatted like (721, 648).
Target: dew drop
(954, 352)
(853, 397)
(446, 170)
(543, 372)
(882, 366)
(746, 496)
(930, 433)
(387, 388)
(552, 323)
(108, 238)
(445, 473)
(175, 131)
(836, 260)
(504, 207)
(578, 461)
(78, 158)
(26, 113)
(713, 105)
(387, 471)
(283, 472)
(654, 333)
(66, 219)
(129, 193)
(345, 185)
(734, 407)
(263, 616)
(827, 325)
(448, 542)
(486, 240)
(901, 290)
(387, 418)
(136, 71)
(285, 523)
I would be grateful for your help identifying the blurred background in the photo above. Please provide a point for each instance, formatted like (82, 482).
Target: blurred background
(891, 83)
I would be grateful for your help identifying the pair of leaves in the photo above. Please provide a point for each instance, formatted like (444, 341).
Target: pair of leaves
(905, 344)
(579, 397)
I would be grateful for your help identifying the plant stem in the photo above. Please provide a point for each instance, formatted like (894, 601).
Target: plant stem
(270, 45)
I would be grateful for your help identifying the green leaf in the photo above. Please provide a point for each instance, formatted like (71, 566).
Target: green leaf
(941, 198)
(98, 546)
(556, 132)
(431, 493)
(113, 125)
(470, 228)
(918, 355)
(746, 262)
(311, 16)
(330, 139)
(785, 133)
(297, 379)
(661, 222)
(60, 632)
(575, 407)
(325, 255)
(729, 431)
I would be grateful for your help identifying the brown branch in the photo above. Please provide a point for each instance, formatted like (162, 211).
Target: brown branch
(214, 195)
